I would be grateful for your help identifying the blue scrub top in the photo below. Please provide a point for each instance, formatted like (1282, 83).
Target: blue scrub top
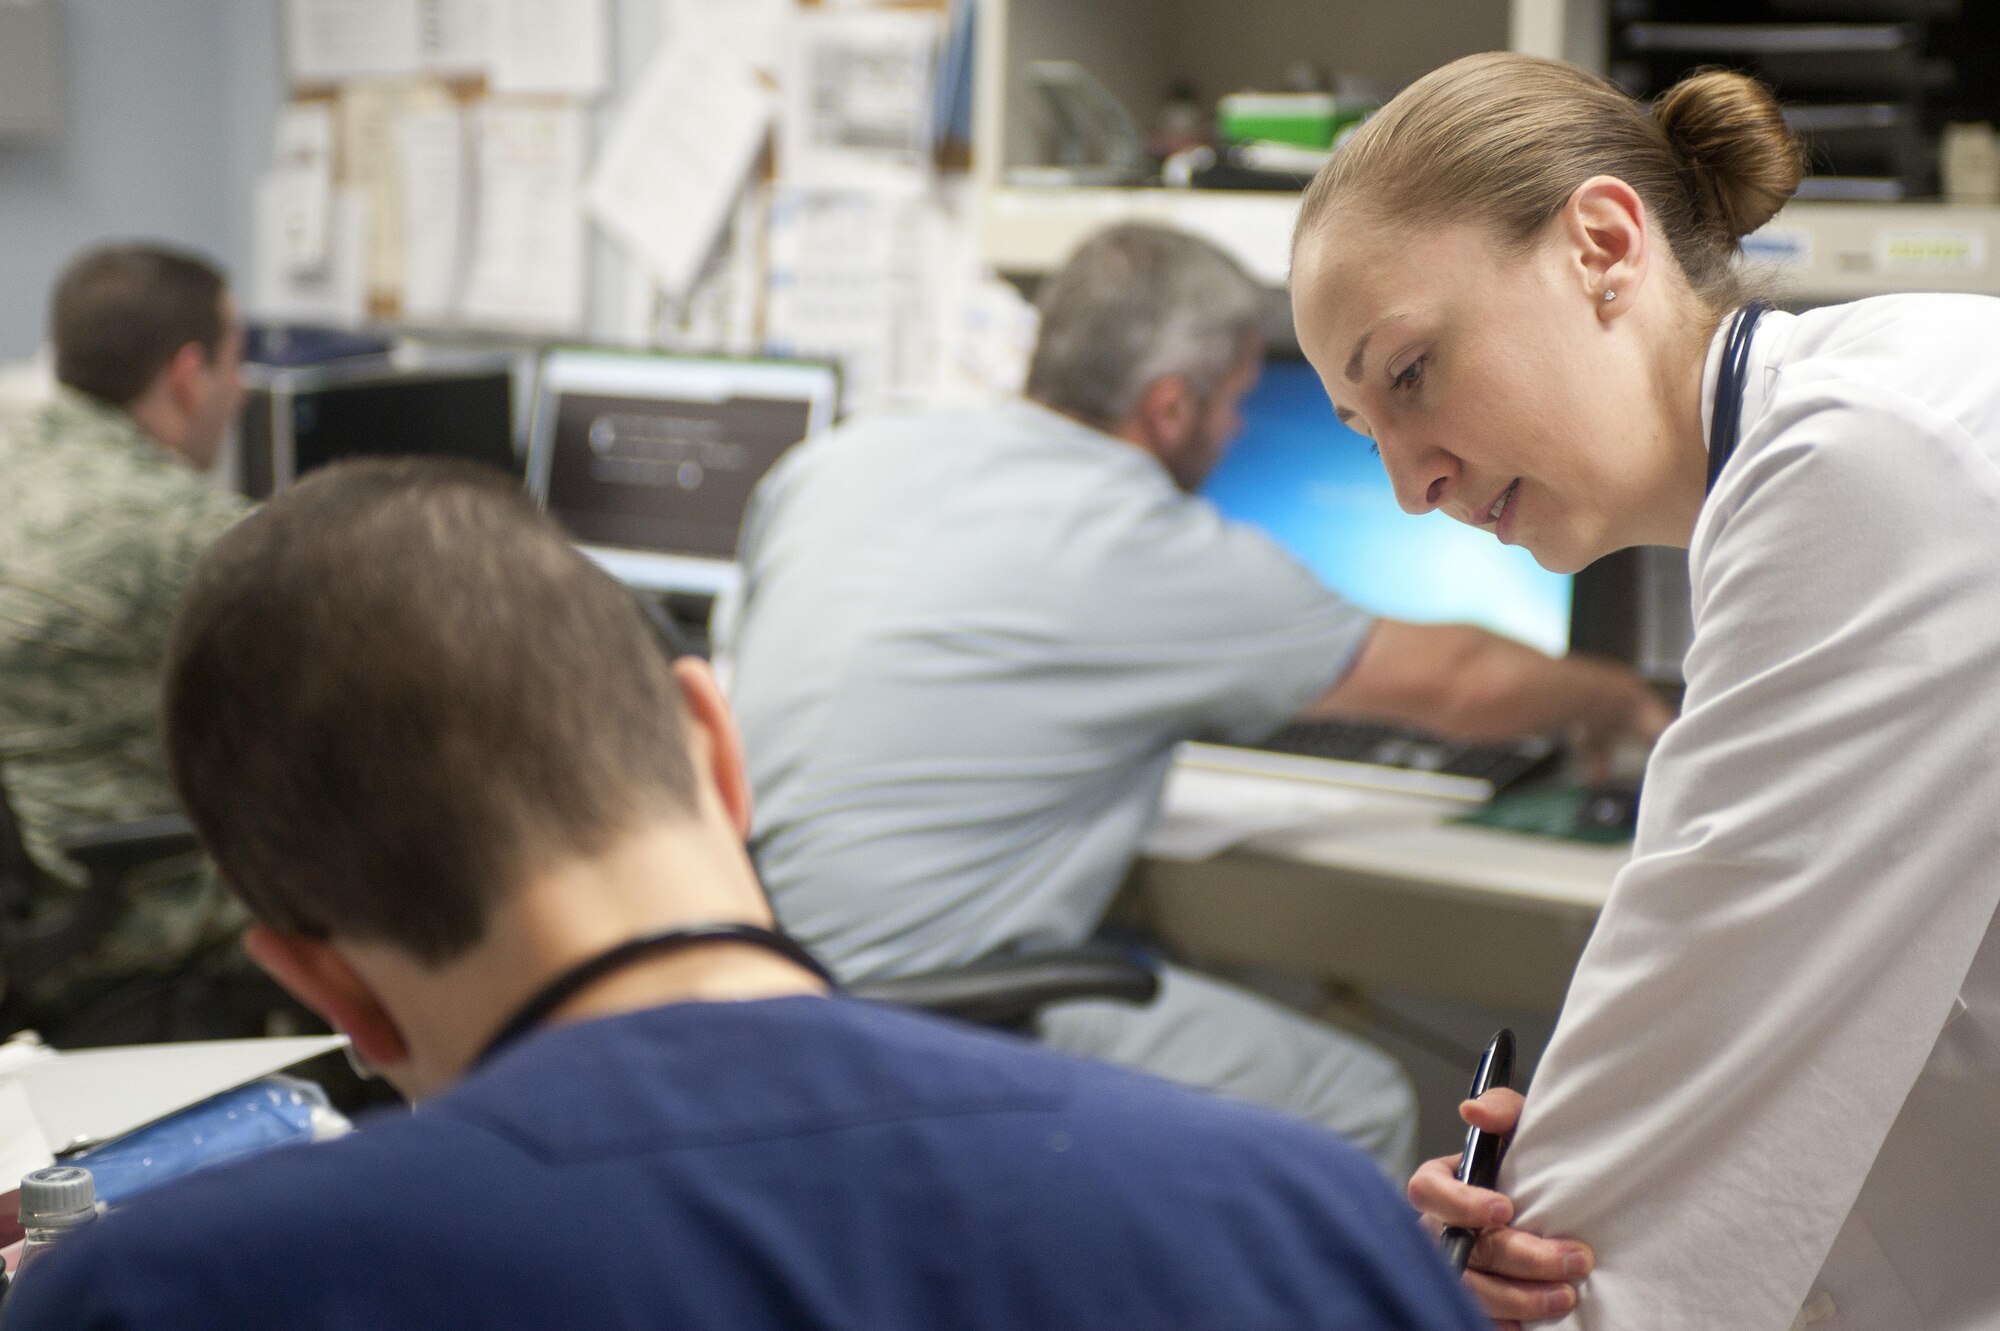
(794, 1162)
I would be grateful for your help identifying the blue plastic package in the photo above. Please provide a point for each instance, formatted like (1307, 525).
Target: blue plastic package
(272, 1111)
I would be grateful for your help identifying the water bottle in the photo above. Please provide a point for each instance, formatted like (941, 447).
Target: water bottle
(55, 1202)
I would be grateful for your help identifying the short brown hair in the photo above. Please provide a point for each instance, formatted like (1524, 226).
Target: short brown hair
(397, 690)
(120, 313)
(1507, 138)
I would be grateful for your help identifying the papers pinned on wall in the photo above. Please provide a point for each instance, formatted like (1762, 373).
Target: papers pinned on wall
(559, 47)
(332, 40)
(859, 98)
(678, 158)
(452, 37)
(990, 342)
(304, 185)
(368, 116)
(337, 292)
(723, 310)
(526, 268)
(431, 157)
(752, 30)
(866, 279)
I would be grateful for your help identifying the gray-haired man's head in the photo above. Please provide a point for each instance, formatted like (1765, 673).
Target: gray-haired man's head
(1152, 335)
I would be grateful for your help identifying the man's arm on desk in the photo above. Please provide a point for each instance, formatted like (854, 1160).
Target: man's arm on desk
(1469, 684)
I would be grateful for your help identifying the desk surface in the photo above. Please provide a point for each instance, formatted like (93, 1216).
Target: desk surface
(1374, 888)
(1395, 837)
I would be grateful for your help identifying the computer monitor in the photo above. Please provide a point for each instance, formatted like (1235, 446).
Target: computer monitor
(1317, 487)
(649, 461)
(298, 418)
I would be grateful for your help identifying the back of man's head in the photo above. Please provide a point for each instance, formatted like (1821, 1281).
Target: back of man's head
(397, 692)
(120, 313)
(1137, 303)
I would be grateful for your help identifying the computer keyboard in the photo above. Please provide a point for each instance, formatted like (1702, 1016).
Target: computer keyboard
(1391, 757)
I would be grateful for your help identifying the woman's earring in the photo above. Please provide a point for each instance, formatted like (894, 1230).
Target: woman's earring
(1610, 296)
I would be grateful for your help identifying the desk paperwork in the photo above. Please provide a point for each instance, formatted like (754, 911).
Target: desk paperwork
(1380, 891)
(1205, 812)
(1411, 841)
(85, 1096)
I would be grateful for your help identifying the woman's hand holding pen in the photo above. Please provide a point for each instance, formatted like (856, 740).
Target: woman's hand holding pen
(1515, 1275)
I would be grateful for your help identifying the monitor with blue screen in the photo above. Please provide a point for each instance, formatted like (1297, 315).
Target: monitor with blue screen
(1318, 488)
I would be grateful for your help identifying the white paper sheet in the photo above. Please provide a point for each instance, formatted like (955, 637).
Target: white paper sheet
(878, 282)
(989, 341)
(332, 40)
(432, 157)
(723, 309)
(840, 286)
(93, 1095)
(305, 175)
(1204, 813)
(752, 30)
(549, 46)
(23, 1147)
(859, 92)
(452, 36)
(367, 115)
(526, 269)
(678, 157)
(338, 293)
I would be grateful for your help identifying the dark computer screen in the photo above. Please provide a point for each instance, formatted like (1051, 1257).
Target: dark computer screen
(652, 459)
(1318, 488)
(467, 416)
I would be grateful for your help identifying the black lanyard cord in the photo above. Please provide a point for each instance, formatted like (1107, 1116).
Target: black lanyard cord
(1725, 421)
(587, 972)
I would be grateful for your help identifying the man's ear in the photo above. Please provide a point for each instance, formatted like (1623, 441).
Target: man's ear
(1168, 416)
(183, 378)
(311, 971)
(720, 745)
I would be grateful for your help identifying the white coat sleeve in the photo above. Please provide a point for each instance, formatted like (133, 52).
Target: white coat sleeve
(1814, 870)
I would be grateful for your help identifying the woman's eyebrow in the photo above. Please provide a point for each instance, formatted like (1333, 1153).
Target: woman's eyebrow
(1360, 351)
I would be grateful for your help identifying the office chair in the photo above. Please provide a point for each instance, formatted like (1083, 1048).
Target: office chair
(1009, 991)
(194, 999)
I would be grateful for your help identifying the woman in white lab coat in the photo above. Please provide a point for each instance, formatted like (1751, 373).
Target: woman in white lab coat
(1773, 1095)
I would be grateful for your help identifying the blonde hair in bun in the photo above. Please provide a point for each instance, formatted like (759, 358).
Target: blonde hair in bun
(1507, 138)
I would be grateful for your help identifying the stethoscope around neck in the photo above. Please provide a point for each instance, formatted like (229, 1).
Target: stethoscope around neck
(1725, 421)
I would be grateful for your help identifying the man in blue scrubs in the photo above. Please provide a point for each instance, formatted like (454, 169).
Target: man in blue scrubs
(489, 831)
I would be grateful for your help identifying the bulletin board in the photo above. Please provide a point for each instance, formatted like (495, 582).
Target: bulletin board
(775, 178)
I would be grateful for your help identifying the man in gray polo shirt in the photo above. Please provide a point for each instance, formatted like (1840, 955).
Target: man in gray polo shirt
(968, 641)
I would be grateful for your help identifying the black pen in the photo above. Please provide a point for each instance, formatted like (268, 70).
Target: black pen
(1479, 1163)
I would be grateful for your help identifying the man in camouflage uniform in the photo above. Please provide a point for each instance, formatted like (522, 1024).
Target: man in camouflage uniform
(106, 512)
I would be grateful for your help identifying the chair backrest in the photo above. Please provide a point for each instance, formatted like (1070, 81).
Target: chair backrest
(19, 874)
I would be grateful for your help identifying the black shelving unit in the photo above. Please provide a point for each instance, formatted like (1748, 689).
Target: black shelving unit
(1868, 84)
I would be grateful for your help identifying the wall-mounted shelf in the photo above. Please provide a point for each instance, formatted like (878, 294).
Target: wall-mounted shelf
(1818, 252)
(1026, 231)
(1139, 48)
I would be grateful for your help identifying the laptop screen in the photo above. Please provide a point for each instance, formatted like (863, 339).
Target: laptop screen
(649, 461)
(1316, 487)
